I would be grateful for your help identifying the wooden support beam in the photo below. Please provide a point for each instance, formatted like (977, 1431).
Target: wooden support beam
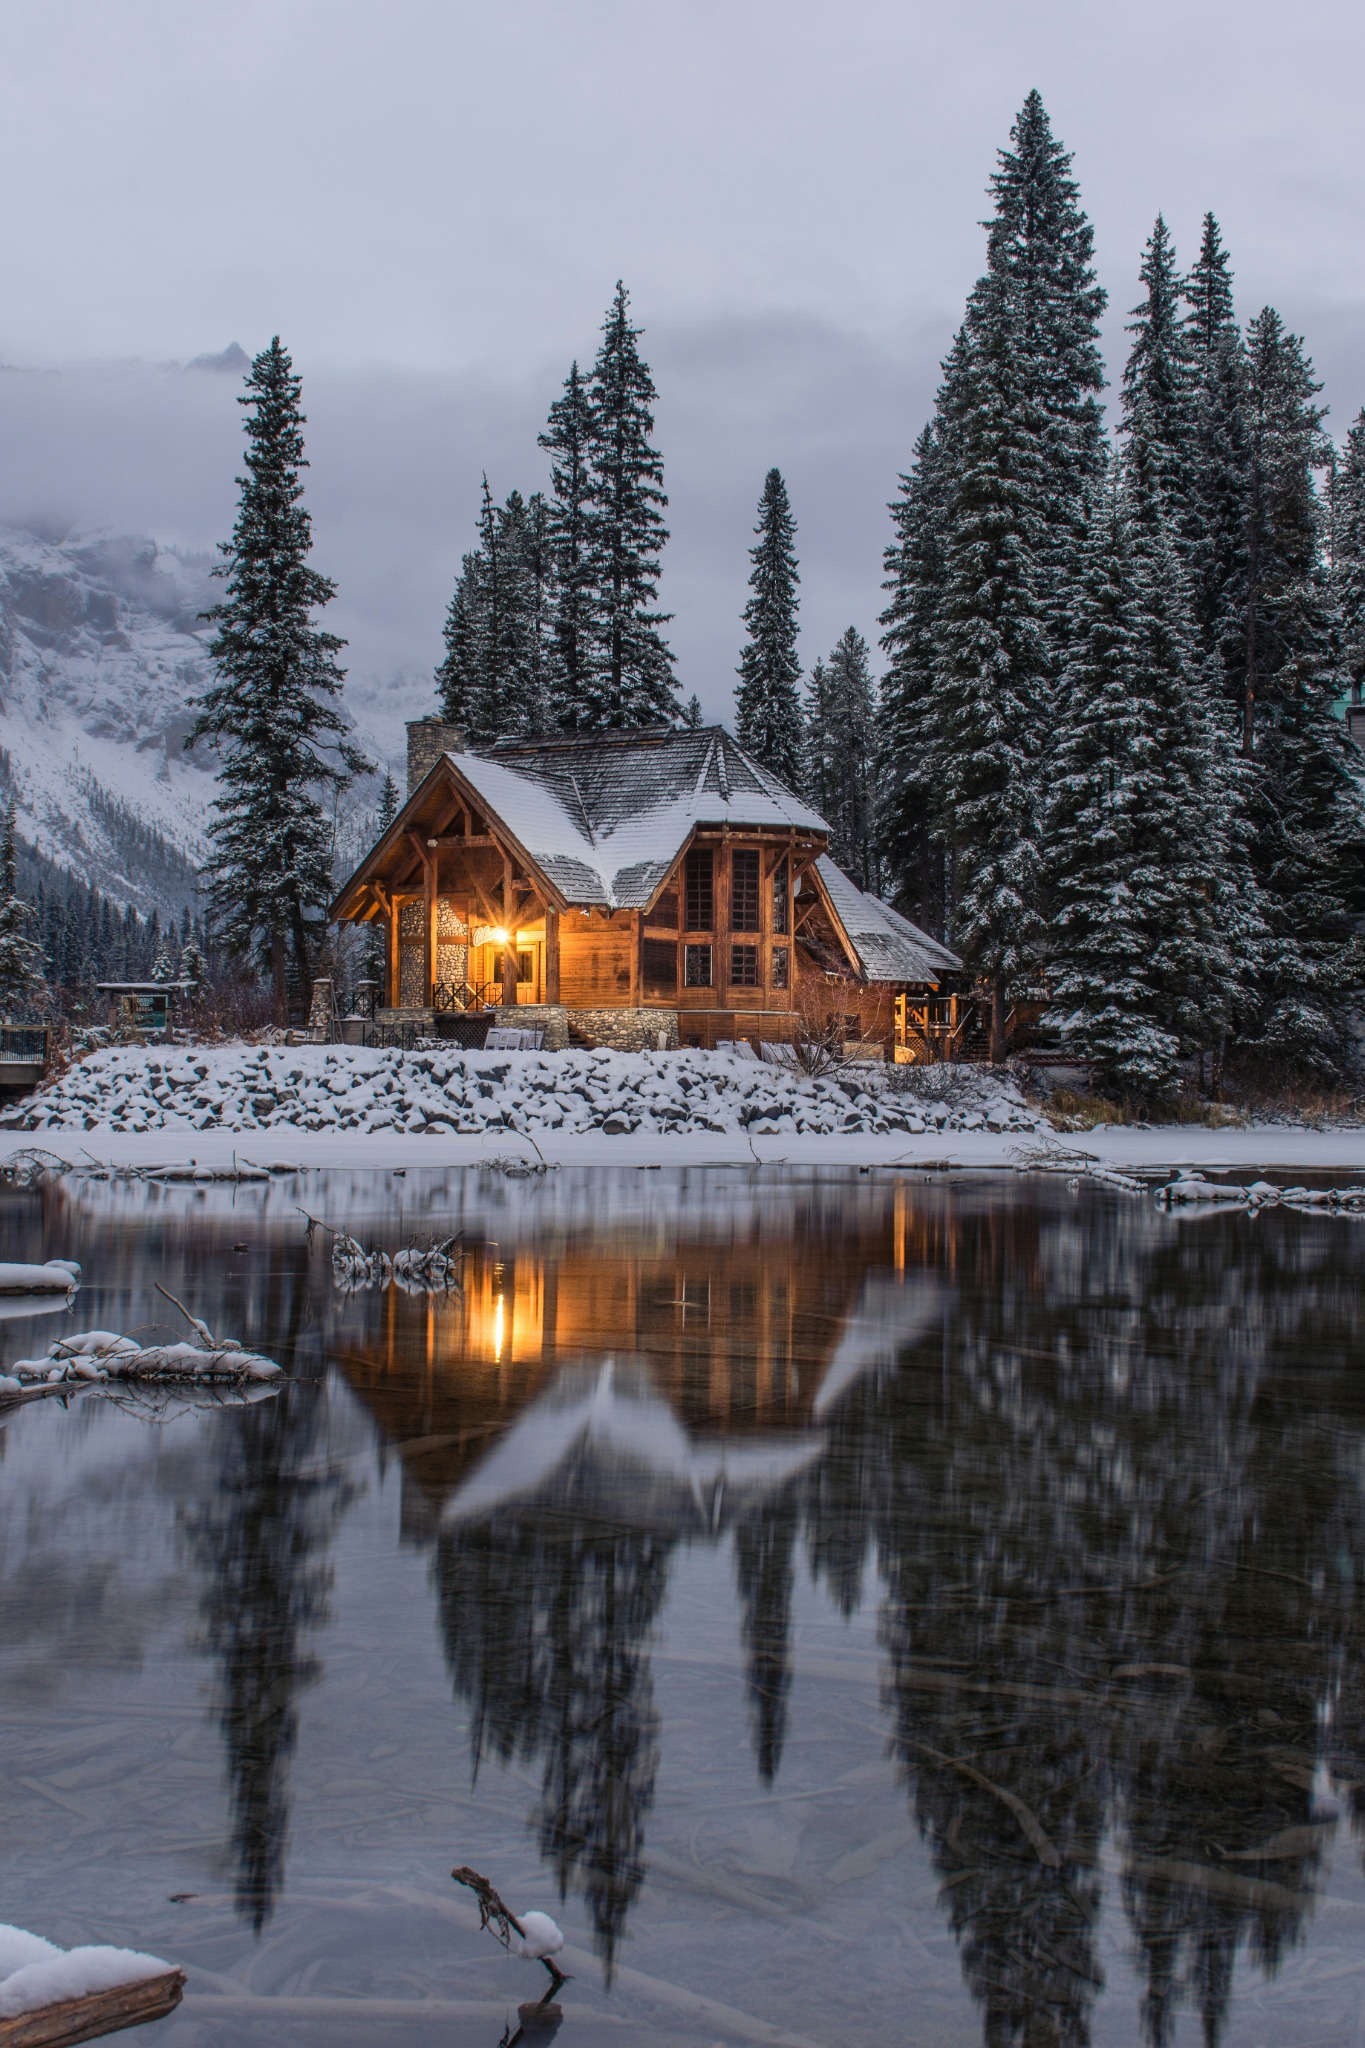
(509, 951)
(551, 955)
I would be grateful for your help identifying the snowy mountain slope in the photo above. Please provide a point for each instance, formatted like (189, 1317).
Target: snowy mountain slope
(100, 654)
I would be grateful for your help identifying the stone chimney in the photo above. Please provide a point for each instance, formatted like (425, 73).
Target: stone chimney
(428, 739)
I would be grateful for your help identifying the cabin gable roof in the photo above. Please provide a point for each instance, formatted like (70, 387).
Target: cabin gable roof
(603, 820)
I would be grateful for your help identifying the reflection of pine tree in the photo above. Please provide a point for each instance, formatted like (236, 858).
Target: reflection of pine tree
(764, 1549)
(261, 1547)
(1093, 1453)
(546, 1625)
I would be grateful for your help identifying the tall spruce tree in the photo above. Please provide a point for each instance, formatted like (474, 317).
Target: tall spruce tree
(1307, 848)
(993, 679)
(841, 756)
(1207, 931)
(910, 837)
(272, 712)
(21, 956)
(568, 438)
(1348, 554)
(768, 701)
(1208, 294)
(1040, 256)
(1159, 386)
(630, 679)
(494, 680)
(1105, 857)
(980, 570)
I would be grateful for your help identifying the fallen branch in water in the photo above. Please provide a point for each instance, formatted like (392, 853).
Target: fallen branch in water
(433, 1268)
(540, 1940)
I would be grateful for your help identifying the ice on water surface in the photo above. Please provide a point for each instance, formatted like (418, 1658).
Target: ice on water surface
(829, 1600)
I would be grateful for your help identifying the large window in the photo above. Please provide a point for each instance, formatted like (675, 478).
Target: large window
(744, 966)
(744, 890)
(781, 900)
(699, 881)
(697, 967)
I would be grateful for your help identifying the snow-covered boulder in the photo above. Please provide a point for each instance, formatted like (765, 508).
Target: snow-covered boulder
(440, 1089)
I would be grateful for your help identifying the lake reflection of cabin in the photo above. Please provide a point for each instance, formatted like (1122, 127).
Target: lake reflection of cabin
(630, 889)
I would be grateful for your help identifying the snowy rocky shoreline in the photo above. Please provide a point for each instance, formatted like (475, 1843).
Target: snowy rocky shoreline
(248, 1089)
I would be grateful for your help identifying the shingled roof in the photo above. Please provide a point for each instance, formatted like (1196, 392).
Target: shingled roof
(605, 818)
(888, 946)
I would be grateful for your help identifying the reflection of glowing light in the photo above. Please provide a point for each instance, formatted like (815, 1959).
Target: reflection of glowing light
(498, 1311)
(500, 937)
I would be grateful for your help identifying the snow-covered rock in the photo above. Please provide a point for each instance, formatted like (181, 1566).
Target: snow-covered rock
(352, 1088)
(105, 1355)
(56, 1276)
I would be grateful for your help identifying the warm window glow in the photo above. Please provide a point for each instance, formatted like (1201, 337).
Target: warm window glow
(500, 937)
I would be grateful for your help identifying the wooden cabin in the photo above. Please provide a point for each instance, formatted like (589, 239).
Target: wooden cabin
(630, 889)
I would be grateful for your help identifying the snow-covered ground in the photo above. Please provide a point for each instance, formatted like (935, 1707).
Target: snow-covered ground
(383, 1110)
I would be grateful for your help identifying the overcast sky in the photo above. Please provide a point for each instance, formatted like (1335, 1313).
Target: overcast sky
(431, 201)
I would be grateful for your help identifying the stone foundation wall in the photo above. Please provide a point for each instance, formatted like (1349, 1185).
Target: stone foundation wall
(628, 1030)
(551, 1018)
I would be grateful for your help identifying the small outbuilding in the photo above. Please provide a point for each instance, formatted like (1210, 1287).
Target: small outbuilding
(148, 1007)
(633, 889)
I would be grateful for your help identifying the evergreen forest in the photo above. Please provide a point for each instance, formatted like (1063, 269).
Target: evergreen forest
(1096, 741)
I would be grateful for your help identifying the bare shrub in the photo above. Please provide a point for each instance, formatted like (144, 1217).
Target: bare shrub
(829, 1016)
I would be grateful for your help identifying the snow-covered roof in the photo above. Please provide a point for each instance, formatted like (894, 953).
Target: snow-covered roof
(606, 818)
(888, 946)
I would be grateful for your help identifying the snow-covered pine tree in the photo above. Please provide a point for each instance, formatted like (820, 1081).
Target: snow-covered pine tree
(1206, 931)
(193, 966)
(630, 679)
(1040, 253)
(1308, 849)
(819, 769)
(1221, 499)
(1208, 294)
(1159, 386)
(387, 809)
(980, 569)
(460, 677)
(524, 621)
(910, 837)
(493, 681)
(849, 754)
(691, 712)
(993, 680)
(568, 514)
(1105, 858)
(1348, 553)
(272, 713)
(21, 957)
(768, 701)
(163, 965)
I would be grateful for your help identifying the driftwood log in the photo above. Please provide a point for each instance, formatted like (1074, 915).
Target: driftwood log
(89, 2019)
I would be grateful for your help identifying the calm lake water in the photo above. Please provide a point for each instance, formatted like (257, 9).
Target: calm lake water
(864, 1610)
